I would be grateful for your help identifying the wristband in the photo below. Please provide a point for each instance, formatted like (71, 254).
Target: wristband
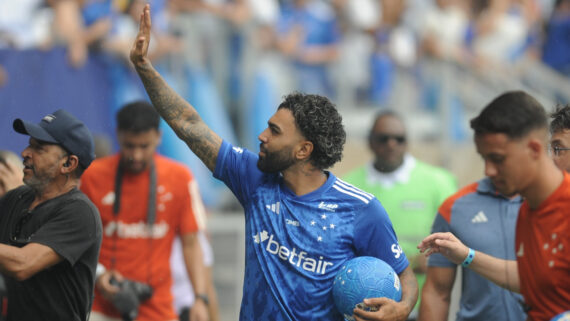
(469, 258)
(203, 297)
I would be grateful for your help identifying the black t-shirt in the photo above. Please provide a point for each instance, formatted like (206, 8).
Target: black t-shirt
(70, 225)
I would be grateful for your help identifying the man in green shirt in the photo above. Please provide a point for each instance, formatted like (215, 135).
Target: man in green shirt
(410, 190)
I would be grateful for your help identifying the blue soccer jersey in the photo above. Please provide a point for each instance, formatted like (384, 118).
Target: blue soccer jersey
(295, 245)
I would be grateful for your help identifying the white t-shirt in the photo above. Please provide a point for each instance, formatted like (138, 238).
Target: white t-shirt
(182, 290)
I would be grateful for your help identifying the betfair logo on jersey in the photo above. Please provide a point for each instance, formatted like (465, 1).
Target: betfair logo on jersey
(292, 256)
(135, 230)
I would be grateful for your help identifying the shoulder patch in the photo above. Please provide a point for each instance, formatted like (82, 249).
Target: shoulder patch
(445, 208)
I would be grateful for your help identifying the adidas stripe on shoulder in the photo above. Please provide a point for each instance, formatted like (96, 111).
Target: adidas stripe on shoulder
(353, 191)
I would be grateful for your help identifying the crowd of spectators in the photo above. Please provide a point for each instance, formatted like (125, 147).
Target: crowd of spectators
(251, 48)
(237, 58)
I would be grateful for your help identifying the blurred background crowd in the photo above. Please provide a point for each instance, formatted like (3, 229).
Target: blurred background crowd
(435, 62)
(235, 59)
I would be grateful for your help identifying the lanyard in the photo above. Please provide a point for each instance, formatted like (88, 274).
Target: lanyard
(150, 215)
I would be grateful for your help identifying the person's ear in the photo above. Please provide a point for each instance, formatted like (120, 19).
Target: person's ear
(536, 147)
(70, 164)
(305, 150)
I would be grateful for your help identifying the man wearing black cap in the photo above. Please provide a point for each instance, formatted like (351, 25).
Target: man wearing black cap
(50, 232)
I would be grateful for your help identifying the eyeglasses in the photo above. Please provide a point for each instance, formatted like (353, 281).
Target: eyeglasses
(384, 138)
(556, 150)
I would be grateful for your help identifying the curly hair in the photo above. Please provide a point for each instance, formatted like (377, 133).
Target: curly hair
(560, 119)
(320, 123)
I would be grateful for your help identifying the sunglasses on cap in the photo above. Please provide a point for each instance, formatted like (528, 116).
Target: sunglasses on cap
(384, 138)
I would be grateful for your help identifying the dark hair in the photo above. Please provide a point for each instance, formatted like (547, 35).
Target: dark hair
(513, 113)
(320, 123)
(385, 113)
(560, 119)
(137, 117)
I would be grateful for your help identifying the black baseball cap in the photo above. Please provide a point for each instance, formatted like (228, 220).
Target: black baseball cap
(63, 129)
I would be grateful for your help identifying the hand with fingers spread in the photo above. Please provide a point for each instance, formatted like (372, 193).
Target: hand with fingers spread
(139, 51)
(446, 244)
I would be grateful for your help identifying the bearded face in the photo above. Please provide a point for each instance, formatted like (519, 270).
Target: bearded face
(273, 162)
(42, 162)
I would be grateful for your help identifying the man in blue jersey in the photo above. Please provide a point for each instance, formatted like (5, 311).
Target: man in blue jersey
(483, 219)
(302, 223)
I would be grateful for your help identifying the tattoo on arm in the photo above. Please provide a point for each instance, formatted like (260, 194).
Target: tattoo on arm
(181, 117)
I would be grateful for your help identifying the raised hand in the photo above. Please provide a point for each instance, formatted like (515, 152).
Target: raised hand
(178, 113)
(139, 50)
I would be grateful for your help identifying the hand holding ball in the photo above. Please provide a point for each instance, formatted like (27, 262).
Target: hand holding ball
(361, 278)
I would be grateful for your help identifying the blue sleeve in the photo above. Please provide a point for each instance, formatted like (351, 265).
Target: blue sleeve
(237, 168)
(333, 37)
(375, 236)
(438, 260)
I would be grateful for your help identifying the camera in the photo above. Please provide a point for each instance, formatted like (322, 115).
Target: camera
(130, 295)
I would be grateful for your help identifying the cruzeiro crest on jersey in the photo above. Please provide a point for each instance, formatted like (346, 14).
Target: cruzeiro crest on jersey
(315, 224)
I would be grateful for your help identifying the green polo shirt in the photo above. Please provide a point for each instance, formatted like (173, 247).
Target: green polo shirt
(411, 205)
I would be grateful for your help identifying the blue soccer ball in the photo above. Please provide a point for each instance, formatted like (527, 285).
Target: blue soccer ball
(364, 277)
(564, 316)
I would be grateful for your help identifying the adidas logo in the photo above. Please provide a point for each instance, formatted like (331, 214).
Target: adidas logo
(260, 237)
(479, 218)
(274, 207)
